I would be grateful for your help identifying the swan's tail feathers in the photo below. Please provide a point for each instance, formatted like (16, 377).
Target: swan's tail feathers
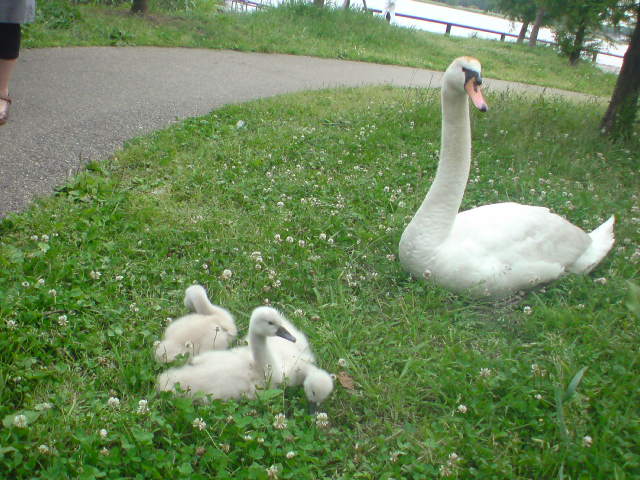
(602, 239)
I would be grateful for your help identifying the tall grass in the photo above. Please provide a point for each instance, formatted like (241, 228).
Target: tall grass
(302, 29)
(322, 185)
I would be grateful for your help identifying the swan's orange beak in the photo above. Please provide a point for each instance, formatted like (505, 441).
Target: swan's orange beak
(475, 94)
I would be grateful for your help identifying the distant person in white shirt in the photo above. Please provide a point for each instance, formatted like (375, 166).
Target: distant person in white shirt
(389, 11)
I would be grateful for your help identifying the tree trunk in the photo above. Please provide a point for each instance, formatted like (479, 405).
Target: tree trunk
(140, 6)
(523, 31)
(578, 42)
(623, 107)
(318, 3)
(347, 4)
(533, 38)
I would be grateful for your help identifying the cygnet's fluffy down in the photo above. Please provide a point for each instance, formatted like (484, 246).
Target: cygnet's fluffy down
(209, 328)
(297, 362)
(235, 373)
(317, 385)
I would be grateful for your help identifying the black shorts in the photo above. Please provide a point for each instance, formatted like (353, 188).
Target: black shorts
(9, 40)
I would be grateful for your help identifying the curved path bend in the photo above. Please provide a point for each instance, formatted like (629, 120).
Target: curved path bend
(72, 105)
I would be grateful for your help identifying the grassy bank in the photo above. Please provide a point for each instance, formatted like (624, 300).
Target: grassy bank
(304, 30)
(322, 185)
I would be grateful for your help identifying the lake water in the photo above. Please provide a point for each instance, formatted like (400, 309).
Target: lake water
(472, 19)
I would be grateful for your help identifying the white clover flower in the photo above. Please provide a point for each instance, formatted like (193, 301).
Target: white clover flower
(277, 237)
(342, 362)
(445, 470)
(226, 274)
(240, 124)
(280, 421)
(25, 284)
(11, 324)
(119, 278)
(43, 406)
(205, 266)
(393, 458)
(199, 423)
(113, 402)
(44, 449)
(453, 458)
(225, 447)
(289, 239)
(298, 312)
(290, 454)
(35, 238)
(40, 282)
(391, 257)
(462, 408)
(53, 292)
(272, 472)
(104, 451)
(527, 310)
(280, 204)
(601, 280)
(330, 241)
(247, 438)
(63, 321)
(103, 433)
(301, 243)
(322, 236)
(143, 407)
(45, 238)
(322, 420)
(94, 274)
(587, 441)
(260, 439)
(537, 370)
(485, 372)
(537, 396)
(20, 421)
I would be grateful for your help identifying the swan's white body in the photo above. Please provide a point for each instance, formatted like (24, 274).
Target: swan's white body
(209, 328)
(494, 250)
(235, 373)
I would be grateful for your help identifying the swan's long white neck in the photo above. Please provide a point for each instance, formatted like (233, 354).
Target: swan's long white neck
(434, 219)
(264, 359)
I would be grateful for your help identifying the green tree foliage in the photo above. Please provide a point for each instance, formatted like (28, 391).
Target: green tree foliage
(579, 22)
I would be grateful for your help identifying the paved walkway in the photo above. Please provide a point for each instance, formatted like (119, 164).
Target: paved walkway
(72, 105)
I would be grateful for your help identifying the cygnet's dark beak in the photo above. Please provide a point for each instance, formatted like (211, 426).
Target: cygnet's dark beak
(284, 333)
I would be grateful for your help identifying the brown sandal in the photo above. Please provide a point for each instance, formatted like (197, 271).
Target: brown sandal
(4, 112)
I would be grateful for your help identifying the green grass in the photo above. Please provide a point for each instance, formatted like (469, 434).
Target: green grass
(350, 167)
(304, 30)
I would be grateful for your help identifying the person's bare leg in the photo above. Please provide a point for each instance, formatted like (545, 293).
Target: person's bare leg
(6, 69)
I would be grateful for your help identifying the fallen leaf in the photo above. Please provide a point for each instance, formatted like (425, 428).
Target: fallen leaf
(346, 381)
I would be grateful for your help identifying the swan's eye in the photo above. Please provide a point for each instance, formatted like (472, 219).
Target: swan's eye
(270, 322)
(469, 74)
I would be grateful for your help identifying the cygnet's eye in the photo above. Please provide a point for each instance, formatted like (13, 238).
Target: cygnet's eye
(270, 322)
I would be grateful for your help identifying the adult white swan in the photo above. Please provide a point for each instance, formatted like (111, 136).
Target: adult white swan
(493, 250)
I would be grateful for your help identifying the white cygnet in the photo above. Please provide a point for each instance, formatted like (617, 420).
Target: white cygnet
(209, 328)
(235, 373)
